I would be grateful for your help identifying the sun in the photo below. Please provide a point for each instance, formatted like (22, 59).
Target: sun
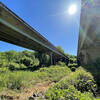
(72, 9)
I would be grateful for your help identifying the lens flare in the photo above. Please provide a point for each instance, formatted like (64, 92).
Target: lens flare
(72, 9)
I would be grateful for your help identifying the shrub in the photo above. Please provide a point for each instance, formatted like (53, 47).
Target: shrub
(29, 62)
(26, 61)
(4, 70)
(1, 64)
(96, 63)
(71, 93)
(72, 60)
(72, 65)
(14, 81)
(80, 81)
(94, 68)
(13, 66)
(73, 69)
(83, 81)
(44, 59)
(2, 80)
(55, 73)
(36, 62)
(61, 63)
(22, 66)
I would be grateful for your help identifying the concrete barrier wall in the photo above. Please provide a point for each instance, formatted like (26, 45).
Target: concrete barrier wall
(89, 36)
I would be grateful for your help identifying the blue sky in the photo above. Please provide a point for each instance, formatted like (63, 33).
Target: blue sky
(51, 19)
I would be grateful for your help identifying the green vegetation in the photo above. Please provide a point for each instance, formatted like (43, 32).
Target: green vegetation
(71, 57)
(78, 85)
(20, 71)
(94, 69)
(18, 79)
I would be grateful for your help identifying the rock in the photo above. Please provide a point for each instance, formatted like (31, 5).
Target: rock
(31, 98)
(35, 95)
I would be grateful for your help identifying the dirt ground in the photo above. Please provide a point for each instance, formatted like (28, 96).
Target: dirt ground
(41, 87)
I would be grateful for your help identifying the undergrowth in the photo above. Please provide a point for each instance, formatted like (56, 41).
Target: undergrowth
(17, 79)
(79, 85)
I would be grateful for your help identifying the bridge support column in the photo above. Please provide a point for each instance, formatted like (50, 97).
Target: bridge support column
(54, 60)
(51, 58)
(66, 61)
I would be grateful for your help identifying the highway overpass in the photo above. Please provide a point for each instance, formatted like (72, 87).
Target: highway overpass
(16, 31)
(89, 36)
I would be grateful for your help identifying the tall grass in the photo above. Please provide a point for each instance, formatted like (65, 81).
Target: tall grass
(18, 79)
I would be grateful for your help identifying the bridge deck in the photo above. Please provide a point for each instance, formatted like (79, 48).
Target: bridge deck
(16, 31)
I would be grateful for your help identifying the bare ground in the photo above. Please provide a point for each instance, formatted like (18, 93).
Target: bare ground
(25, 93)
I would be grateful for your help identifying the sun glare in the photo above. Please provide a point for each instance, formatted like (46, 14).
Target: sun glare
(72, 9)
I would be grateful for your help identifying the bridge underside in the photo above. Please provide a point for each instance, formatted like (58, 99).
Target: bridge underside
(12, 36)
(89, 36)
(14, 30)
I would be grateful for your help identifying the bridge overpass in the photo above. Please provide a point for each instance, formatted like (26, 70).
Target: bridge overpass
(89, 36)
(16, 31)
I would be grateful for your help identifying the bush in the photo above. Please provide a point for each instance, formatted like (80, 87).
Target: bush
(13, 66)
(61, 63)
(96, 63)
(55, 73)
(36, 62)
(14, 81)
(4, 70)
(44, 59)
(72, 65)
(22, 66)
(26, 61)
(29, 62)
(77, 84)
(73, 69)
(71, 93)
(85, 81)
(1, 64)
(94, 68)
(72, 60)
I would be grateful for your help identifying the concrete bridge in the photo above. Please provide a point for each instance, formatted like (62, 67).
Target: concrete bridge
(89, 36)
(16, 31)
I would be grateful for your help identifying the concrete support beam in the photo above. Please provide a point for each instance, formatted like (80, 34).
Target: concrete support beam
(51, 57)
(89, 36)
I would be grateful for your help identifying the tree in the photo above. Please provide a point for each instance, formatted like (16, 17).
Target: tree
(60, 49)
(27, 61)
(11, 56)
(43, 58)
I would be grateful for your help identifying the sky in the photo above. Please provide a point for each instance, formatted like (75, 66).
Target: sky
(51, 19)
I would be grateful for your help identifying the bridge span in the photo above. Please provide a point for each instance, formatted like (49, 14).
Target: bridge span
(16, 31)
